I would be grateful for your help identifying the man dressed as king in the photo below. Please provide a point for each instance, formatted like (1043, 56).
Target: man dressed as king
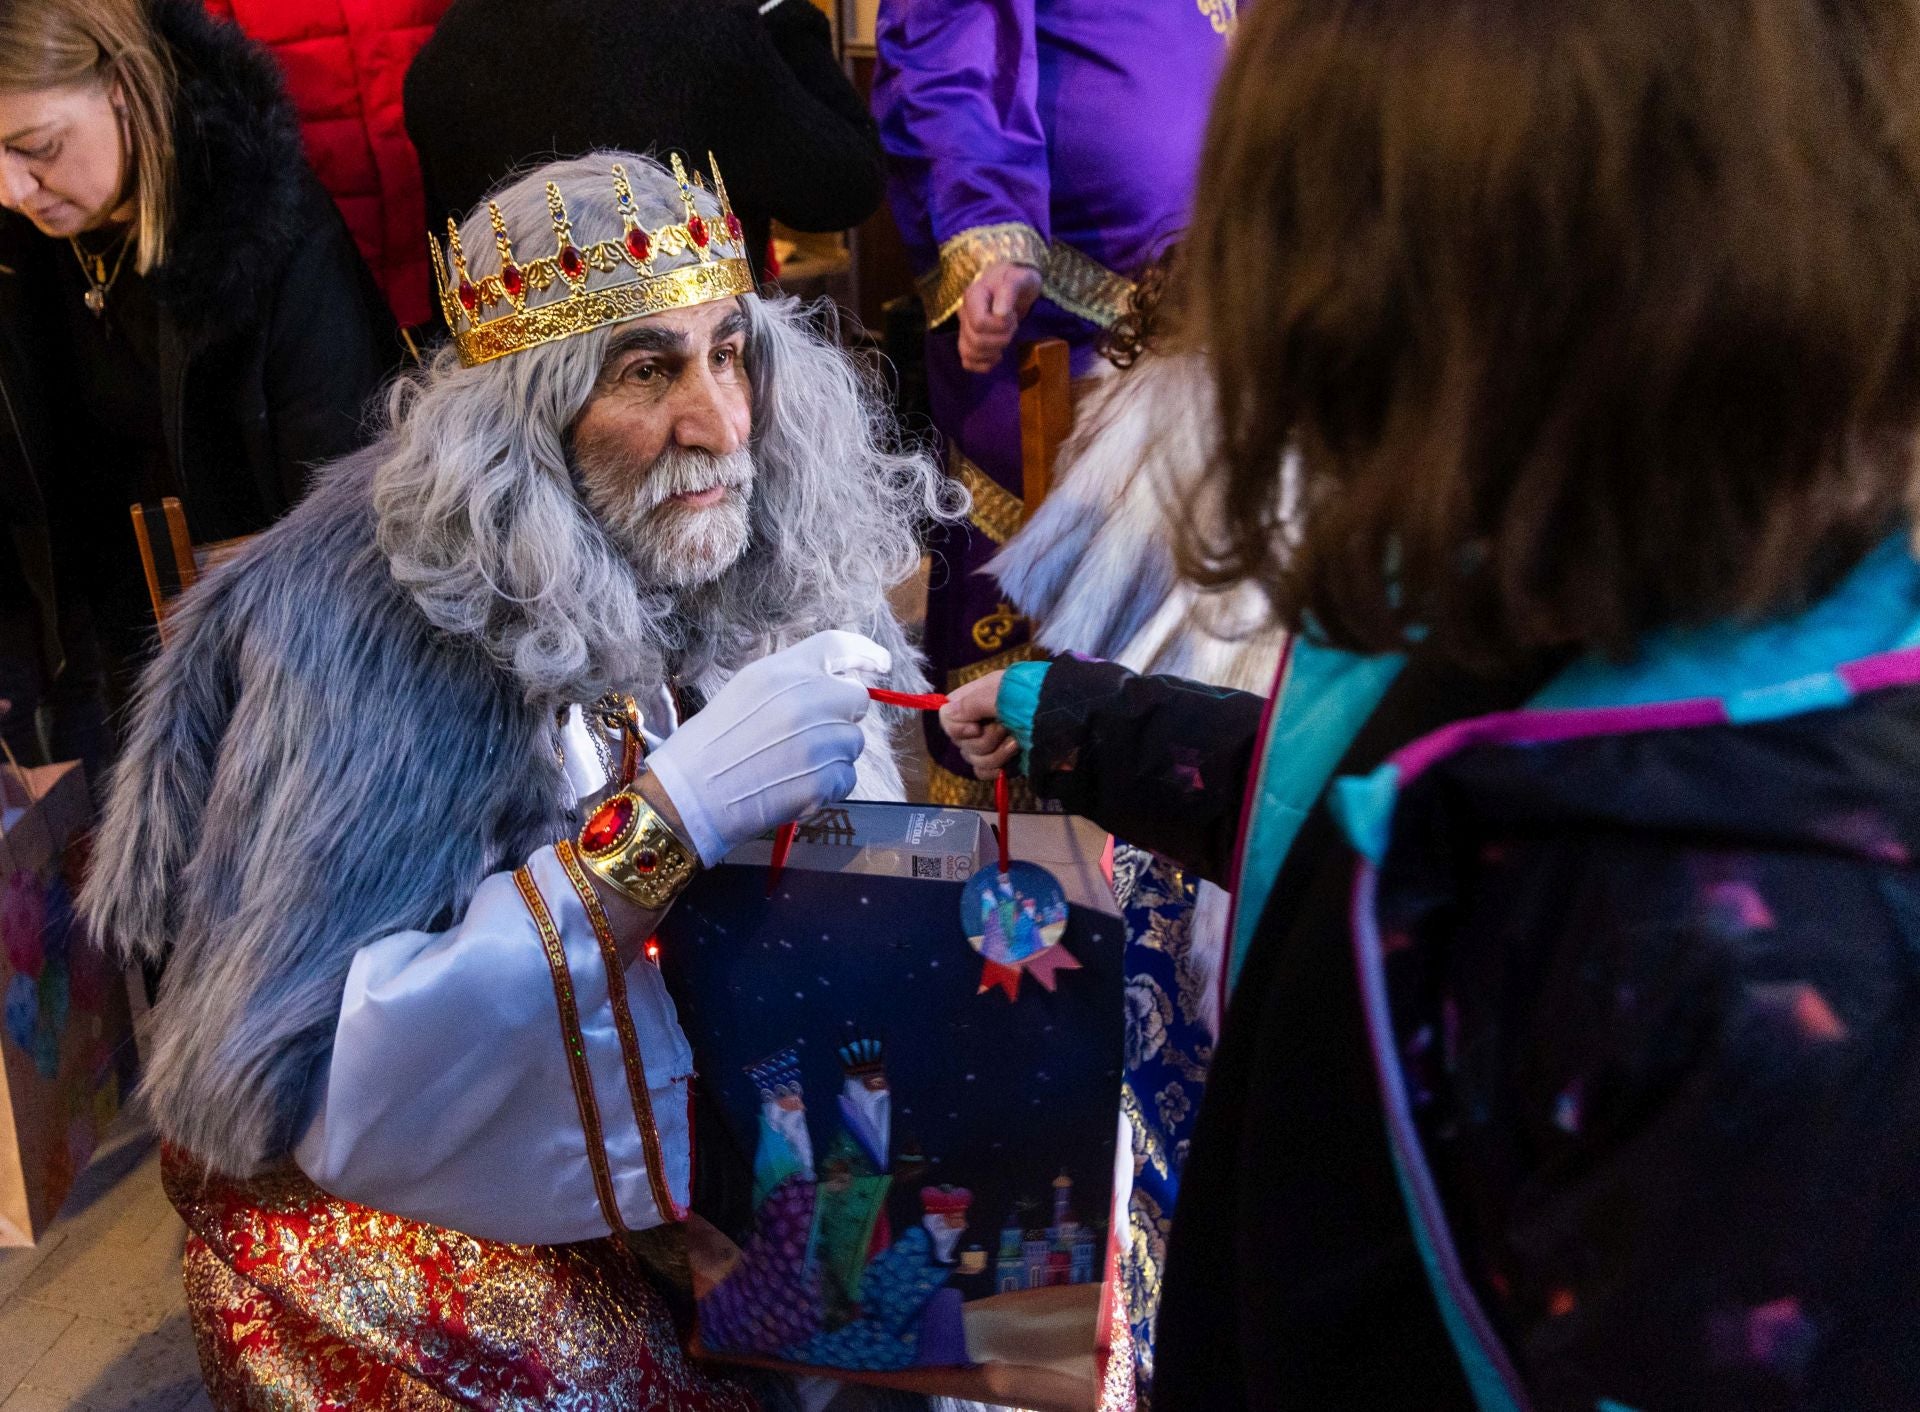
(385, 810)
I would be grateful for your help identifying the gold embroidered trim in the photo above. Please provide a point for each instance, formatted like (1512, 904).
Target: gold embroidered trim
(965, 257)
(997, 512)
(1084, 287)
(952, 791)
(973, 671)
(636, 1065)
(576, 1046)
(991, 632)
(1223, 15)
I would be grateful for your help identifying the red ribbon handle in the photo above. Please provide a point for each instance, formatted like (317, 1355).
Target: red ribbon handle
(925, 701)
(1003, 834)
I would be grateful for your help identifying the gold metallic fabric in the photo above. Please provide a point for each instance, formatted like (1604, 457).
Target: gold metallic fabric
(302, 1302)
(1084, 287)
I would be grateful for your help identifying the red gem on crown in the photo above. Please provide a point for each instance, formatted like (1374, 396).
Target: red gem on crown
(638, 245)
(733, 228)
(572, 265)
(609, 821)
(469, 296)
(512, 281)
(697, 231)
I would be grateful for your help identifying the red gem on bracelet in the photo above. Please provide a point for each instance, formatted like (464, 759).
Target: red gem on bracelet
(609, 821)
(645, 861)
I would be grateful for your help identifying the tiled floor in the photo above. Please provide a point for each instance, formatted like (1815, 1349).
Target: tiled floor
(93, 1318)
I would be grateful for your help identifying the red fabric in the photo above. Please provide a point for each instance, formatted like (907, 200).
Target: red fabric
(302, 1302)
(344, 62)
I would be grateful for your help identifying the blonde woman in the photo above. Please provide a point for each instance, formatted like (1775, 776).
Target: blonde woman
(182, 313)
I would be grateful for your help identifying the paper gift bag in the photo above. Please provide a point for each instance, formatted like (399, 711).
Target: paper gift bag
(904, 1164)
(66, 1046)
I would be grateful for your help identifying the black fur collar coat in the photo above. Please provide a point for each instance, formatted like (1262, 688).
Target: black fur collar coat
(273, 339)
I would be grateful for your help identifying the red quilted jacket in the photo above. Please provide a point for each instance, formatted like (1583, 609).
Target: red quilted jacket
(344, 61)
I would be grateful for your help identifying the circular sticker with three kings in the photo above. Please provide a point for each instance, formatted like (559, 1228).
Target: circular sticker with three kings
(1016, 918)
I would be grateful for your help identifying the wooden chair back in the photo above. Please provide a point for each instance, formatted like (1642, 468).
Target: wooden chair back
(173, 562)
(1046, 415)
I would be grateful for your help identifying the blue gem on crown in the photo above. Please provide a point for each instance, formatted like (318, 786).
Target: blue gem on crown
(863, 1055)
(777, 1075)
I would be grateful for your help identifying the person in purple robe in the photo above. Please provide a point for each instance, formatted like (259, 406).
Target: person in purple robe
(1040, 153)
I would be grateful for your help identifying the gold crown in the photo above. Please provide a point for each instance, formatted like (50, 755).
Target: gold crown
(468, 304)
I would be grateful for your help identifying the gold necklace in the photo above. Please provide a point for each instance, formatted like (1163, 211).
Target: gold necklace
(94, 267)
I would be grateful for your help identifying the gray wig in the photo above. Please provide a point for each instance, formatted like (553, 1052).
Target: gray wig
(481, 522)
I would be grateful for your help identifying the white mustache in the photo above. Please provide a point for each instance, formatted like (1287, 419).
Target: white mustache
(680, 472)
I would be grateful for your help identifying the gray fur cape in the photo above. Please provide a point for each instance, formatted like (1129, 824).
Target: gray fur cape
(1094, 567)
(311, 766)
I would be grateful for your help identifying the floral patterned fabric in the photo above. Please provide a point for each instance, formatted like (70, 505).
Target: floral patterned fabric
(305, 1303)
(1168, 1050)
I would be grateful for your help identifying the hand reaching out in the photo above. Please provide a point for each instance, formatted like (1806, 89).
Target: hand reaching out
(971, 720)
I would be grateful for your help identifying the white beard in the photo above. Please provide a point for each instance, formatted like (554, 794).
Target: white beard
(671, 545)
(684, 547)
(871, 1116)
(945, 1237)
(791, 1124)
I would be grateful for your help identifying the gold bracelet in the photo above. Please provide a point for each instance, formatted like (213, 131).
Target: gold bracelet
(628, 846)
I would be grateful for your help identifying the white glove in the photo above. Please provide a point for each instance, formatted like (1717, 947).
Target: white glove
(774, 744)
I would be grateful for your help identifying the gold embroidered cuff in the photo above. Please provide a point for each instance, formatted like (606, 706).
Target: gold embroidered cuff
(965, 257)
(630, 1057)
(629, 847)
(576, 1047)
(1075, 282)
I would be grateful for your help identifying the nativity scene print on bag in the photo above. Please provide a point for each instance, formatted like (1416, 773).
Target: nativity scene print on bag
(929, 1149)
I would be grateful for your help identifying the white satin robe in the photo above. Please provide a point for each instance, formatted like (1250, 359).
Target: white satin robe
(450, 1095)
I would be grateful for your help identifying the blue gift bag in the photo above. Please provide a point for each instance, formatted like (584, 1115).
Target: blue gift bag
(904, 1167)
